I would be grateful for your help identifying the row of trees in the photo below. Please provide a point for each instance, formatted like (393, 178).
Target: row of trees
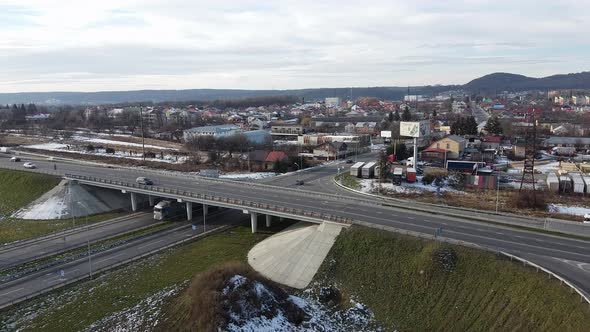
(230, 144)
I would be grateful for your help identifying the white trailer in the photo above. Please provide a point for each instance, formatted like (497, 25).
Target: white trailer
(587, 182)
(377, 171)
(355, 170)
(553, 182)
(368, 170)
(578, 182)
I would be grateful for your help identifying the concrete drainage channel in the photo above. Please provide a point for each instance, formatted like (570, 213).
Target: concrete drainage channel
(545, 224)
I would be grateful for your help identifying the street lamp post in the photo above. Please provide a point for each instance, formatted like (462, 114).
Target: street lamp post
(497, 192)
(298, 171)
(88, 241)
(142, 132)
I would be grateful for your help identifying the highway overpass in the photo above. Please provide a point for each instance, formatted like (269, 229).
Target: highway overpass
(566, 256)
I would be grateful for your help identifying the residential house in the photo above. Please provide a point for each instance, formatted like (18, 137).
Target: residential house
(330, 151)
(273, 157)
(453, 144)
(369, 128)
(491, 142)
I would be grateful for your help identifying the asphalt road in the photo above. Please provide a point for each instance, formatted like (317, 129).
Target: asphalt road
(565, 256)
(20, 252)
(51, 277)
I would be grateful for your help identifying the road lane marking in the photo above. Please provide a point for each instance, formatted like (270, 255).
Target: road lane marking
(106, 259)
(12, 291)
(149, 244)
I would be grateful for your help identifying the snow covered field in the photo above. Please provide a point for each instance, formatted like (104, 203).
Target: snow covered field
(247, 176)
(60, 147)
(371, 186)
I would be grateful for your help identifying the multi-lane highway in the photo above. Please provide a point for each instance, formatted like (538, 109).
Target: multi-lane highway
(24, 251)
(565, 256)
(46, 279)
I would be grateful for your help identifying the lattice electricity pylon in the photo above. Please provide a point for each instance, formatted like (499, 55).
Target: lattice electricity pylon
(530, 141)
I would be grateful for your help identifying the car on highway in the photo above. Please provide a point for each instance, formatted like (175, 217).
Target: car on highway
(15, 159)
(144, 180)
(587, 219)
(349, 161)
(299, 182)
(29, 165)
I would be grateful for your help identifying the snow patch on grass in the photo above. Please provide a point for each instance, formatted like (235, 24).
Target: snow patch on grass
(141, 317)
(247, 176)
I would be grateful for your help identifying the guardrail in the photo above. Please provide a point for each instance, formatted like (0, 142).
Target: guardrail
(206, 197)
(583, 297)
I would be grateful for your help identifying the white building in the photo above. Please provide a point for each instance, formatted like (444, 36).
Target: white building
(215, 131)
(332, 102)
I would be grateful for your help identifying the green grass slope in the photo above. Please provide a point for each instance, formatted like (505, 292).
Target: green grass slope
(18, 188)
(402, 280)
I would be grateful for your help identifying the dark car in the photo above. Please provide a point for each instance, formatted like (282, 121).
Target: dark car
(143, 180)
(349, 161)
(299, 182)
(15, 159)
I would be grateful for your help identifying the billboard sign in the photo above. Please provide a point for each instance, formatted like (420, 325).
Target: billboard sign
(386, 133)
(414, 129)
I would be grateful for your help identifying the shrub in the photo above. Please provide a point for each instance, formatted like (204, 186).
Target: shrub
(528, 199)
(89, 147)
(214, 299)
(110, 150)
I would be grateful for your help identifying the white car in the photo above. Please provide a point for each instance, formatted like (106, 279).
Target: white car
(587, 219)
(15, 159)
(29, 165)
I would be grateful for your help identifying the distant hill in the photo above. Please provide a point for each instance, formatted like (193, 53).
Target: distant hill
(158, 96)
(491, 83)
(512, 82)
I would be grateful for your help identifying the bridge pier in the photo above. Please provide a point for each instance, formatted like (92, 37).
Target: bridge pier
(205, 210)
(189, 210)
(133, 202)
(268, 220)
(151, 200)
(254, 221)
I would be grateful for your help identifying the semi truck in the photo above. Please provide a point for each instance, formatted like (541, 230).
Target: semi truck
(167, 209)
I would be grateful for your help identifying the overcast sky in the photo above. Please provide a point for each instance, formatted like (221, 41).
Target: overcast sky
(51, 45)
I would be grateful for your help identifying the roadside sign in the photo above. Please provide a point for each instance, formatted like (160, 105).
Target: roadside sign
(194, 227)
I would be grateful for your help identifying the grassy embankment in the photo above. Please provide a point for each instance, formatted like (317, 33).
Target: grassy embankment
(348, 180)
(19, 188)
(85, 303)
(401, 280)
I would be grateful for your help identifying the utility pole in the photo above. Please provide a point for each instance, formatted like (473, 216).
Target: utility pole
(142, 132)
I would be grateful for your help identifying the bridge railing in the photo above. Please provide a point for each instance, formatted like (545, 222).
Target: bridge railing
(208, 197)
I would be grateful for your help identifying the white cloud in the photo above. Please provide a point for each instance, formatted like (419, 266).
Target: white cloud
(119, 45)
